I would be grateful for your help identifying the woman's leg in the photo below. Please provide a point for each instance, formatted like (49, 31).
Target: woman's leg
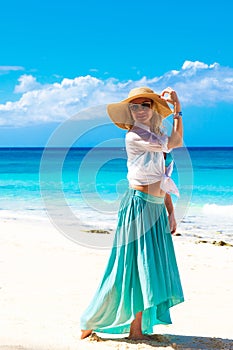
(136, 329)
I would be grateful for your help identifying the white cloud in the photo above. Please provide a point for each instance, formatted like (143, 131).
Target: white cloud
(26, 83)
(7, 69)
(196, 82)
(198, 65)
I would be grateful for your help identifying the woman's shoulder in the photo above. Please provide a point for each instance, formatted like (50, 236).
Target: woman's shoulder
(133, 134)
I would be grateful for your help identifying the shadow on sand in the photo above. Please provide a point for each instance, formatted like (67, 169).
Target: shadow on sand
(169, 341)
(179, 342)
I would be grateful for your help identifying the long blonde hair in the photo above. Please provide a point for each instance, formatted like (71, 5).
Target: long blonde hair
(156, 123)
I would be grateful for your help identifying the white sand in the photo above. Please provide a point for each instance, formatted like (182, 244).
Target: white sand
(47, 280)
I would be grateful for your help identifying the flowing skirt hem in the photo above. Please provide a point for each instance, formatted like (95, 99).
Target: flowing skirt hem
(161, 318)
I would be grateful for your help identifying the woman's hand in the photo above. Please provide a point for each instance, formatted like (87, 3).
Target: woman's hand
(170, 96)
(172, 222)
(171, 213)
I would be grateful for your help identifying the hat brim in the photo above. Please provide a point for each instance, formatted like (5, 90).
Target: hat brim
(120, 114)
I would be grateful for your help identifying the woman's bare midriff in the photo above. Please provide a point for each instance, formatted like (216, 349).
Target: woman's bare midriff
(152, 189)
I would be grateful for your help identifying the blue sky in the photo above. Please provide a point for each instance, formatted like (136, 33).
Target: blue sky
(58, 58)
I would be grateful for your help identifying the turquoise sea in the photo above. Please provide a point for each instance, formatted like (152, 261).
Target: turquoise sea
(89, 183)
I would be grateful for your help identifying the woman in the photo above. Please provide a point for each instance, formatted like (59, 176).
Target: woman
(141, 281)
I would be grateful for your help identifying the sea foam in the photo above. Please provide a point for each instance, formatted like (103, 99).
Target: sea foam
(219, 211)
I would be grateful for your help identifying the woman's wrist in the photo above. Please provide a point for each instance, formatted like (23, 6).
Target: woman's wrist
(177, 115)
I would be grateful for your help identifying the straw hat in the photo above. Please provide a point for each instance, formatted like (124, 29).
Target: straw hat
(120, 113)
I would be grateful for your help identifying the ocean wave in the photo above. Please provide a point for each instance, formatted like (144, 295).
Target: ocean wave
(218, 210)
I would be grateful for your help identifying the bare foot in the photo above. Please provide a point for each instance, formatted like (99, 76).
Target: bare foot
(85, 333)
(136, 329)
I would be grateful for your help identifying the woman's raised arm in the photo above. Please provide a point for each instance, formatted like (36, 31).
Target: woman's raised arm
(176, 138)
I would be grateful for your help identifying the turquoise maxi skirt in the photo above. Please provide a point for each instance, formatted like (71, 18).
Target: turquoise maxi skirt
(141, 273)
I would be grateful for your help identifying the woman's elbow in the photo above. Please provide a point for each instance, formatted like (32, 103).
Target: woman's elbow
(180, 143)
(175, 144)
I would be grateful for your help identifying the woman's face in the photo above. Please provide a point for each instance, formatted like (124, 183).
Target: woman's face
(141, 110)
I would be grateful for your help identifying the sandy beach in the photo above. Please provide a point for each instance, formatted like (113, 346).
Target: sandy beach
(46, 281)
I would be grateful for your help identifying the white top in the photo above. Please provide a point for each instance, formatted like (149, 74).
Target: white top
(146, 164)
